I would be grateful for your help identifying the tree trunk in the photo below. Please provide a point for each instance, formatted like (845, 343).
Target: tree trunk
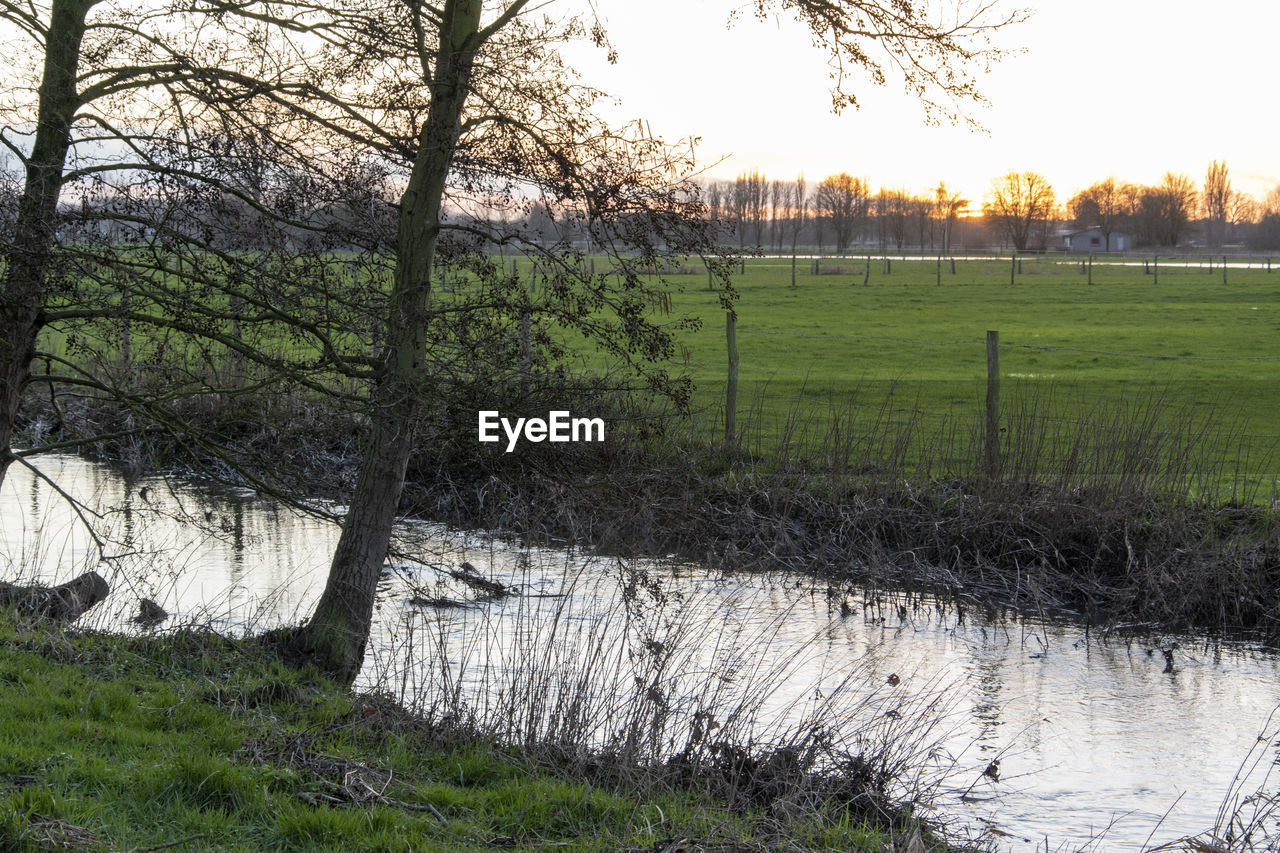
(338, 631)
(22, 291)
(64, 603)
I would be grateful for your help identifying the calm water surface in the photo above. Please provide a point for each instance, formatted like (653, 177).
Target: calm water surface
(1090, 730)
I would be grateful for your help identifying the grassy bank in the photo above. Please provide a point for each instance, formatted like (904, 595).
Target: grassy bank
(191, 741)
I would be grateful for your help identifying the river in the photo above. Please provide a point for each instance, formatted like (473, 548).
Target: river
(1091, 730)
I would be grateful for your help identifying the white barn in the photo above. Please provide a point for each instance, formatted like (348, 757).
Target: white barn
(1092, 240)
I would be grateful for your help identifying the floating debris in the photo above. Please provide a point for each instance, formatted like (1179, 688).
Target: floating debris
(150, 614)
(491, 589)
(439, 603)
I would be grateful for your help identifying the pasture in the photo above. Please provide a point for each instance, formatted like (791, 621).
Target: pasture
(1192, 353)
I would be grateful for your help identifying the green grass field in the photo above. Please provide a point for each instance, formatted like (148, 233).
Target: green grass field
(915, 349)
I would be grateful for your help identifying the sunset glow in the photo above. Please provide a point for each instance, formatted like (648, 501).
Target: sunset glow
(1103, 88)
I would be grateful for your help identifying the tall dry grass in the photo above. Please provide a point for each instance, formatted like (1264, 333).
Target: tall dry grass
(615, 676)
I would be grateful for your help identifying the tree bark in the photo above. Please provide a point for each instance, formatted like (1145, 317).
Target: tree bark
(64, 603)
(22, 292)
(336, 635)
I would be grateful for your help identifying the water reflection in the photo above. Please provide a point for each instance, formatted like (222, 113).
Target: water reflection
(220, 556)
(1086, 727)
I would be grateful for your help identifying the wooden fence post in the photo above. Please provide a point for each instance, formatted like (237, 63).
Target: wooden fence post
(1091, 268)
(1155, 267)
(993, 405)
(939, 277)
(793, 270)
(126, 331)
(1224, 269)
(731, 389)
(238, 368)
(1013, 265)
(526, 351)
(866, 276)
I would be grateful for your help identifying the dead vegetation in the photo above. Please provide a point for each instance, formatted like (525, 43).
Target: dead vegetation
(1121, 516)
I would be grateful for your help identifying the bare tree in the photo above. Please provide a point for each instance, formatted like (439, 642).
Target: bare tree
(1243, 210)
(933, 59)
(1266, 233)
(922, 217)
(739, 208)
(841, 201)
(779, 195)
(1223, 208)
(948, 205)
(754, 187)
(716, 194)
(798, 209)
(937, 54)
(1216, 203)
(1020, 204)
(893, 216)
(1270, 204)
(1165, 210)
(104, 87)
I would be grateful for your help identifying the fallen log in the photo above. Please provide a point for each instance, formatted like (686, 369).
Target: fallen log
(63, 603)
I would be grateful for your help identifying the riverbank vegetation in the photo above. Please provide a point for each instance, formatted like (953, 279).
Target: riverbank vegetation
(189, 740)
(1103, 520)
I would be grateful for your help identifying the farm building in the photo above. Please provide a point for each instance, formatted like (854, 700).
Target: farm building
(1093, 240)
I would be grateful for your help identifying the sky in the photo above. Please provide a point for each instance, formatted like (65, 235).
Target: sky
(1130, 88)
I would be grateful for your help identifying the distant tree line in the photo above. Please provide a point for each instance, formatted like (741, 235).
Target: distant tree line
(840, 214)
(843, 213)
(1175, 212)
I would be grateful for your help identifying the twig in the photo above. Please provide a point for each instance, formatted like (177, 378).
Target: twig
(177, 843)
